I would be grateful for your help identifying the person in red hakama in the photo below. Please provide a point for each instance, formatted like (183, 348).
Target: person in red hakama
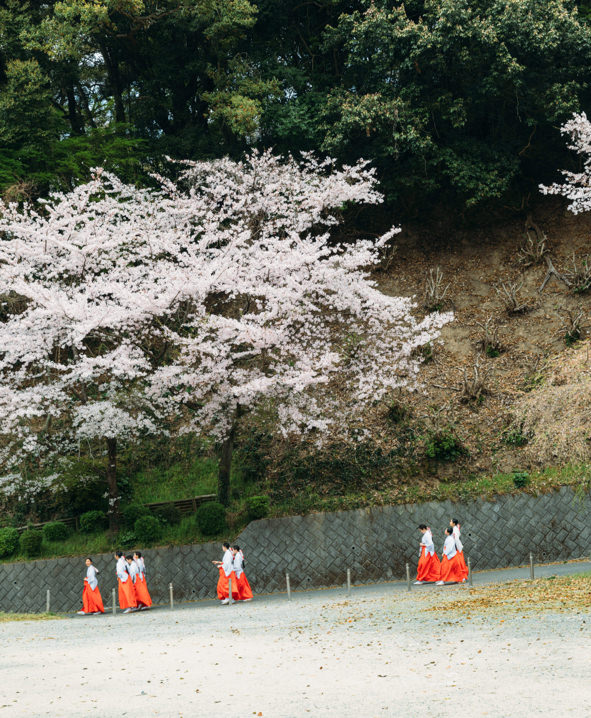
(455, 526)
(92, 602)
(141, 588)
(244, 590)
(429, 568)
(127, 600)
(451, 571)
(226, 569)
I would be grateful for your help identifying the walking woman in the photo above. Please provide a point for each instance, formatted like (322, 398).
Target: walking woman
(92, 602)
(455, 526)
(451, 571)
(244, 590)
(226, 569)
(429, 568)
(141, 588)
(127, 601)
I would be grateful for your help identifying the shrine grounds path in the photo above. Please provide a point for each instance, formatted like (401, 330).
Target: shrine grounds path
(381, 651)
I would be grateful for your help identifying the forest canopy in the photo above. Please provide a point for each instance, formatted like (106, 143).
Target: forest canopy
(454, 101)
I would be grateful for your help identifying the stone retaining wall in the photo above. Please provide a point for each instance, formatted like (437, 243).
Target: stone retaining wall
(317, 549)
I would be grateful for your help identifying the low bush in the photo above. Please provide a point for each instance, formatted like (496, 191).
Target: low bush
(167, 514)
(132, 512)
(8, 541)
(211, 518)
(30, 542)
(93, 521)
(520, 479)
(56, 531)
(126, 539)
(257, 507)
(443, 445)
(147, 529)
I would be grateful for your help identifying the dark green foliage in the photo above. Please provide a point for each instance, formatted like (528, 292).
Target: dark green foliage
(126, 539)
(513, 436)
(30, 543)
(252, 456)
(9, 540)
(492, 352)
(147, 529)
(56, 531)
(257, 507)
(93, 521)
(520, 479)
(211, 518)
(443, 445)
(167, 514)
(572, 337)
(397, 412)
(131, 513)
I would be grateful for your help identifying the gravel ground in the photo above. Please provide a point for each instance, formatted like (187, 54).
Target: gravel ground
(380, 652)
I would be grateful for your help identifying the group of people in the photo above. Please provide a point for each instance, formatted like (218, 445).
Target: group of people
(231, 569)
(452, 567)
(133, 590)
(131, 580)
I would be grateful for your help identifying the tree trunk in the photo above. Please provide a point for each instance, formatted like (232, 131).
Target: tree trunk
(114, 514)
(225, 467)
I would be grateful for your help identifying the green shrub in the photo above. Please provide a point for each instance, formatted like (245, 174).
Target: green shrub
(147, 529)
(8, 541)
(514, 437)
(520, 479)
(56, 531)
(126, 539)
(211, 518)
(30, 542)
(93, 521)
(131, 513)
(397, 412)
(168, 514)
(443, 445)
(257, 507)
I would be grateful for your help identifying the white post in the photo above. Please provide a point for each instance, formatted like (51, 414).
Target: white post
(288, 587)
(531, 566)
(348, 581)
(469, 572)
(230, 591)
(408, 584)
(114, 603)
(47, 601)
(171, 595)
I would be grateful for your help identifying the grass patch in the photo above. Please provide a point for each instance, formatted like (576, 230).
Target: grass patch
(7, 617)
(176, 482)
(552, 593)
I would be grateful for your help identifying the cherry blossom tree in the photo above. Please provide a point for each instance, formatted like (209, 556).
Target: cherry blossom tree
(577, 185)
(126, 310)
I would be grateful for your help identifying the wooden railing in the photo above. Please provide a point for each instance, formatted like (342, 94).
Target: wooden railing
(185, 506)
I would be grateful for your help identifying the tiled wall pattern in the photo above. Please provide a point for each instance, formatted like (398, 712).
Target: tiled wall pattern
(317, 549)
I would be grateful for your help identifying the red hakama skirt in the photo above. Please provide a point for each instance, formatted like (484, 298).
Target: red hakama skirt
(126, 594)
(451, 570)
(463, 566)
(244, 589)
(223, 591)
(92, 601)
(141, 592)
(429, 568)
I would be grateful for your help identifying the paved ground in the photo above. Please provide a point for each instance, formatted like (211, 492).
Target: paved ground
(379, 652)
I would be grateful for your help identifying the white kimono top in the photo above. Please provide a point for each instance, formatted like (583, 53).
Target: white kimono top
(133, 570)
(122, 573)
(91, 573)
(459, 545)
(228, 562)
(427, 542)
(238, 561)
(141, 566)
(449, 547)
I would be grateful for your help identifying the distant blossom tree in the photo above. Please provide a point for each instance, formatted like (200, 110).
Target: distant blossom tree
(577, 185)
(124, 308)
